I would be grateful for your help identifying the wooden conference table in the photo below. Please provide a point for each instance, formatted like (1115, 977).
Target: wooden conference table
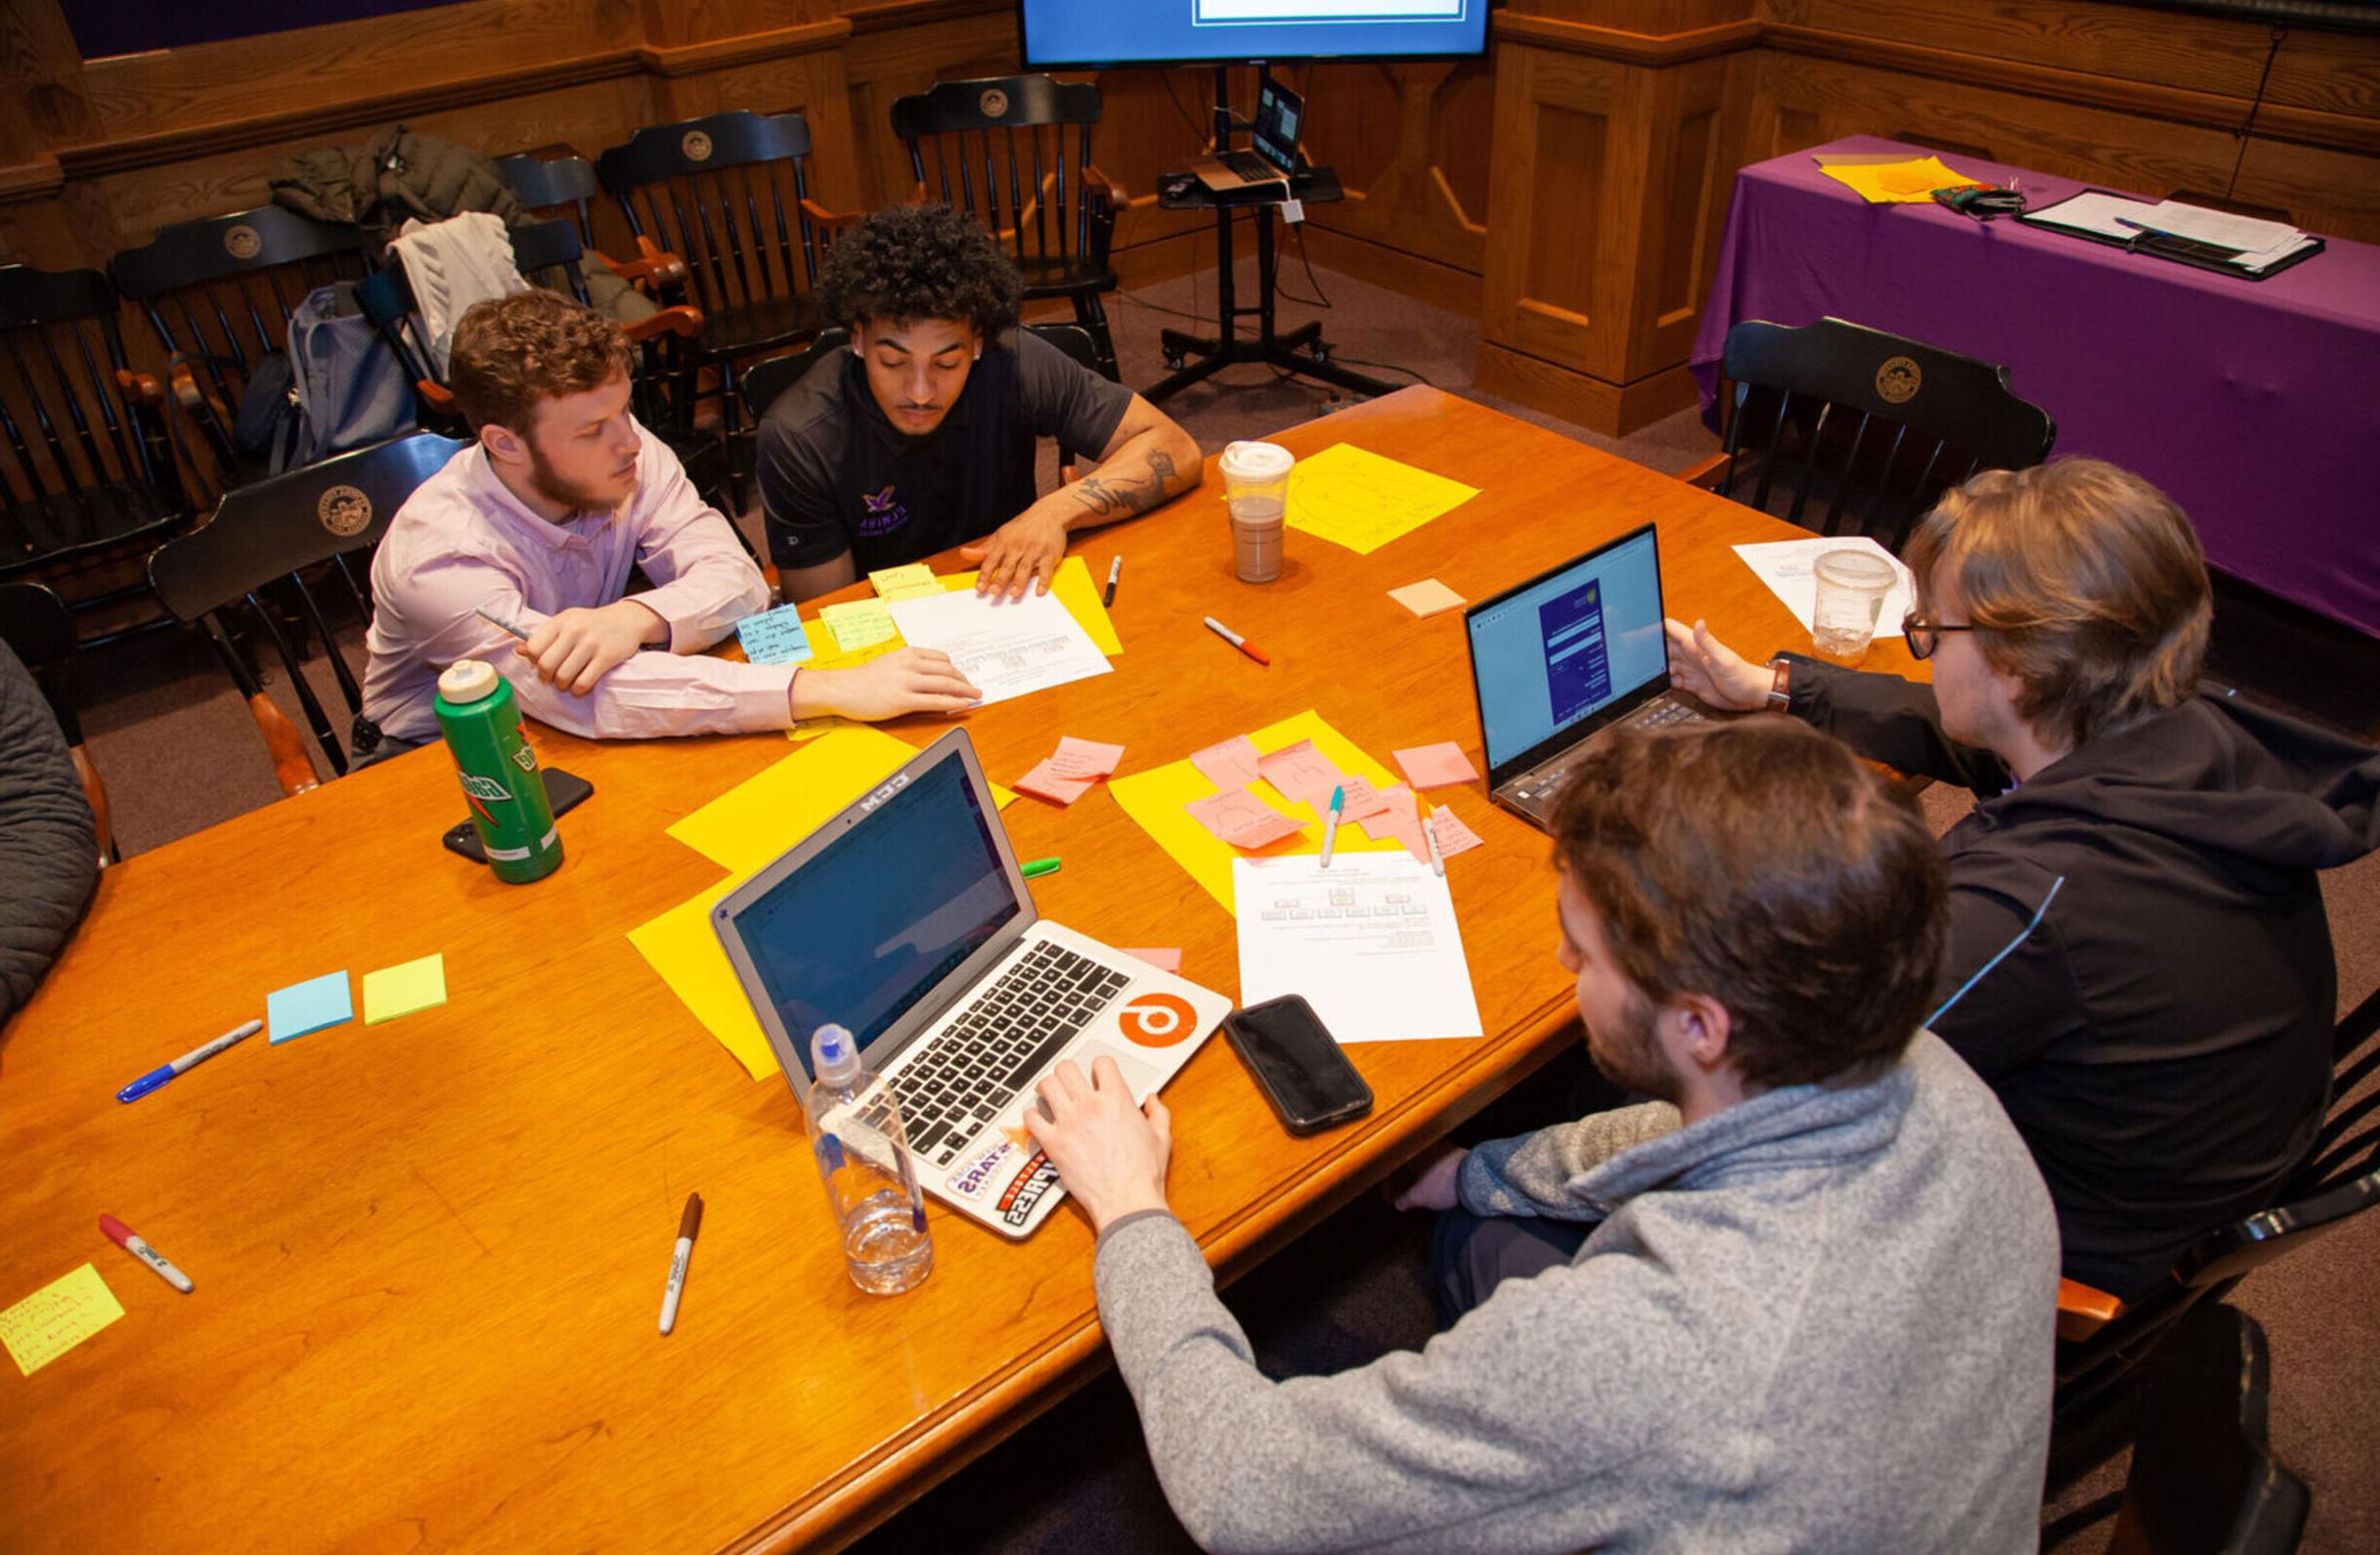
(429, 1253)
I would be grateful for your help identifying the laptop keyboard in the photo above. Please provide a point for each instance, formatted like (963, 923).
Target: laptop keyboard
(1248, 165)
(1541, 784)
(975, 1066)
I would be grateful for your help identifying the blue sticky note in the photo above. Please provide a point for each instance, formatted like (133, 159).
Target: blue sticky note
(309, 1006)
(775, 637)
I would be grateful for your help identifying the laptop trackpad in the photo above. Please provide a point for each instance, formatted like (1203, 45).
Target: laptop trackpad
(1140, 1079)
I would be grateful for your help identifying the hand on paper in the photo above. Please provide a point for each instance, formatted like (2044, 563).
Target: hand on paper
(1109, 1154)
(574, 649)
(909, 680)
(1435, 1189)
(1709, 668)
(1023, 552)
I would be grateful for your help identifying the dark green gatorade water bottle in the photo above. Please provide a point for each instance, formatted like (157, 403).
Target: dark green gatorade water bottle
(499, 778)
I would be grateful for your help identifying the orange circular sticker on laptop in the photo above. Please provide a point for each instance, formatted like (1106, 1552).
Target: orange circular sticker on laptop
(1158, 1020)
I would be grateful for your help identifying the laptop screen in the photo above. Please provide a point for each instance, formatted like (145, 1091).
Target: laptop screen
(867, 927)
(1276, 135)
(1559, 649)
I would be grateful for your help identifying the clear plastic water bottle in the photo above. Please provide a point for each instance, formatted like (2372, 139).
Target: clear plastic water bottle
(863, 1156)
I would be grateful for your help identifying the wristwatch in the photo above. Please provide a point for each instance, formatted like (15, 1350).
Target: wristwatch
(1781, 686)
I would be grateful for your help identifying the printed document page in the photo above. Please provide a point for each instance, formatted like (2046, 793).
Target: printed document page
(1790, 568)
(1371, 941)
(1006, 647)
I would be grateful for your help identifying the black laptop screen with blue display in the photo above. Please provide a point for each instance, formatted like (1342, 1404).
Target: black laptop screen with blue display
(870, 925)
(1556, 659)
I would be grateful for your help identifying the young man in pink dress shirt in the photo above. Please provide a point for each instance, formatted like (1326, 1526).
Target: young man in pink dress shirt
(540, 523)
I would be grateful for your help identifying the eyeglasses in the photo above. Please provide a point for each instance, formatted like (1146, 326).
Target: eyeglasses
(1923, 635)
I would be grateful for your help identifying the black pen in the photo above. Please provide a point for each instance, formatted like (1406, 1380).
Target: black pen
(1114, 570)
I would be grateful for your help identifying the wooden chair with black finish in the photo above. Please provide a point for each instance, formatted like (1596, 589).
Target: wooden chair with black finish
(730, 195)
(1015, 151)
(2103, 1342)
(38, 627)
(88, 484)
(303, 533)
(551, 186)
(1874, 426)
(219, 291)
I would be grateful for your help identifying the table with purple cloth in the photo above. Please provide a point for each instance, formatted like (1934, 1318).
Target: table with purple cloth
(2254, 404)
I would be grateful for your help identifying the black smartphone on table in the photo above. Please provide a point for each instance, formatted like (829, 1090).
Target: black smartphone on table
(1297, 1064)
(563, 791)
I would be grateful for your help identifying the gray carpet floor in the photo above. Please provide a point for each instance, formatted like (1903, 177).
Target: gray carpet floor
(179, 752)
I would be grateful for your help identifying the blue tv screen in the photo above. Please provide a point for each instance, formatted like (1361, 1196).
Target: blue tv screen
(1075, 35)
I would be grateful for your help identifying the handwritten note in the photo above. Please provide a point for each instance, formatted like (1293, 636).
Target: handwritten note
(1241, 819)
(1453, 836)
(904, 583)
(1069, 773)
(1355, 498)
(775, 637)
(1359, 799)
(57, 1318)
(859, 623)
(1397, 819)
(403, 988)
(1228, 765)
(1427, 597)
(1301, 772)
(1436, 766)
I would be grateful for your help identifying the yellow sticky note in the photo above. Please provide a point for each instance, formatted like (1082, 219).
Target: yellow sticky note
(1155, 799)
(1355, 498)
(57, 1318)
(402, 990)
(859, 624)
(1073, 585)
(904, 583)
(744, 830)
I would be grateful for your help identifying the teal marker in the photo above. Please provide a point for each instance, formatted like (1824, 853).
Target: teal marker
(1039, 868)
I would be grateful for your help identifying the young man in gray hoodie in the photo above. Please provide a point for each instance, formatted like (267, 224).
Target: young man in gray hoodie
(1816, 1311)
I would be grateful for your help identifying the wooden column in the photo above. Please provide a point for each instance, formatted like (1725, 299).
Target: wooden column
(1616, 130)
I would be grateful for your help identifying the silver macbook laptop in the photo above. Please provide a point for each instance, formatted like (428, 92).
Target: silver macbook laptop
(904, 920)
(1272, 139)
(1561, 658)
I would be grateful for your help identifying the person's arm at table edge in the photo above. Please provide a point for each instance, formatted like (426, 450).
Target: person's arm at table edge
(703, 579)
(1148, 460)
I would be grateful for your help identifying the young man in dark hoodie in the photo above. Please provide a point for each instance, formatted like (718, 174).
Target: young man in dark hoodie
(2139, 961)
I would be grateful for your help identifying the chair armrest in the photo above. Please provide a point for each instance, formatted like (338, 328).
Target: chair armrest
(654, 266)
(140, 388)
(684, 321)
(1704, 473)
(291, 768)
(95, 794)
(436, 397)
(2084, 1309)
(833, 224)
(1106, 189)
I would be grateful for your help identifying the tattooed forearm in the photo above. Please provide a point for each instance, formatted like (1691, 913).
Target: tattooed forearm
(1110, 499)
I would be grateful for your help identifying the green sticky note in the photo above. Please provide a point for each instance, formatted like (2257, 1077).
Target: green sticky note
(395, 991)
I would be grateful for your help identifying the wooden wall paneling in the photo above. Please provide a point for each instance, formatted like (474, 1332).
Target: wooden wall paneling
(1403, 139)
(2168, 48)
(1543, 291)
(1689, 165)
(810, 83)
(2330, 72)
(902, 54)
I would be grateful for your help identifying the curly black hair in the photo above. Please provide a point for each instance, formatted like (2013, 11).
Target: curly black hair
(920, 262)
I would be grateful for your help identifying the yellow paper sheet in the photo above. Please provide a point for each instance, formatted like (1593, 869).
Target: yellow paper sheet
(743, 830)
(859, 624)
(57, 1318)
(1911, 182)
(1155, 799)
(402, 990)
(904, 583)
(1075, 589)
(1355, 498)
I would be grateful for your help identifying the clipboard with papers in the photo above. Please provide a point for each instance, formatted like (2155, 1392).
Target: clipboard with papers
(2182, 234)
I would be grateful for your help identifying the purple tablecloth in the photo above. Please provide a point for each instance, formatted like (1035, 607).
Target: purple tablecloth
(2255, 404)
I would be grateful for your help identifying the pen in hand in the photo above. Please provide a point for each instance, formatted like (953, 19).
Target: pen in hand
(498, 621)
(688, 1225)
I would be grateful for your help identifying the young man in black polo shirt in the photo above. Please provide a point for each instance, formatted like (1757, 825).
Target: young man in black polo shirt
(921, 436)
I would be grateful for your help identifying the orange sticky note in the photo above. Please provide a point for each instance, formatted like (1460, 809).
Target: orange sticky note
(1241, 819)
(1165, 961)
(1436, 766)
(1427, 597)
(1453, 837)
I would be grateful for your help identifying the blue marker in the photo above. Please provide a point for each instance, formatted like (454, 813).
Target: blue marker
(196, 1055)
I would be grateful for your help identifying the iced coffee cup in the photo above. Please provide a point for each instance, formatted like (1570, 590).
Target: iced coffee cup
(1256, 490)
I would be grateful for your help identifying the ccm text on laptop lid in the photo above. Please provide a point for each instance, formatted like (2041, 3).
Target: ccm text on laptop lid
(1555, 659)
